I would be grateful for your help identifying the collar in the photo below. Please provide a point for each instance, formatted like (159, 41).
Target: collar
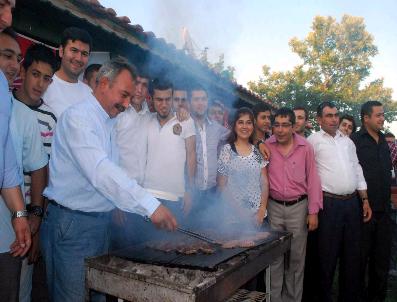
(338, 133)
(99, 109)
(298, 140)
(364, 131)
(144, 110)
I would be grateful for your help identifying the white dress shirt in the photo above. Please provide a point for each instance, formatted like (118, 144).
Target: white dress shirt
(337, 163)
(83, 173)
(131, 140)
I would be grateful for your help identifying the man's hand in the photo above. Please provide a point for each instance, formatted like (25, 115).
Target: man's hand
(34, 252)
(162, 218)
(182, 114)
(367, 211)
(259, 216)
(394, 200)
(23, 237)
(265, 151)
(34, 223)
(187, 203)
(312, 222)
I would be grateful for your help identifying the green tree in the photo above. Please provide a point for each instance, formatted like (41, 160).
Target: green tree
(219, 66)
(336, 61)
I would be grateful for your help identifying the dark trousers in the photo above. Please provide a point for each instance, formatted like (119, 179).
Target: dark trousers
(339, 238)
(10, 271)
(375, 256)
(311, 280)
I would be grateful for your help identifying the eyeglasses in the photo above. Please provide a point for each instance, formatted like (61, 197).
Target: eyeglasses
(283, 125)
(11, 55)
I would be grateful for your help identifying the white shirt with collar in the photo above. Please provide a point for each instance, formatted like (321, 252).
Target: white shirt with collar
(166, 158)
(83, 173)
(337, 163)
(131, 140)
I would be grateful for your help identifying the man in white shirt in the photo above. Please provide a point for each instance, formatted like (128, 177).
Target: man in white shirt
(340, 220)
(86, 183)
(171, 145)
(66, 88)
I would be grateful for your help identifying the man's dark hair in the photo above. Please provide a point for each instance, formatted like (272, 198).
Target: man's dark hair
(217, 103)
(284, 112)
(76, 34)
(40, 53)
(261, 107)
(11, 33)
(366, 108)
(321, 107)
(304, 109)
(143, 73)
(389, 134)
(159, 84)
(349, 118)
(89, 71)
(196, 87)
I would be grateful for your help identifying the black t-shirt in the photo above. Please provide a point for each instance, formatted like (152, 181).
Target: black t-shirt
(375, 160)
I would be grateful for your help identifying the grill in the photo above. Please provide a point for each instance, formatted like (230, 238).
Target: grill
(142, 274)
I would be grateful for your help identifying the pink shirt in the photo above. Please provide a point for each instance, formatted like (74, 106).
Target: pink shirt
(296, 174)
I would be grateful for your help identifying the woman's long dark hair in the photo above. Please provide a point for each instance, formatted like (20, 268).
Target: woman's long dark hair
(233, 135)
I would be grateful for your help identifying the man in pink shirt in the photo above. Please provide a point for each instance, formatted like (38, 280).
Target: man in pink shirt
(295, 199)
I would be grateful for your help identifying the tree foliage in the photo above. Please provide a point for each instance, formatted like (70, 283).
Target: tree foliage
(336, 62)
(219, 66)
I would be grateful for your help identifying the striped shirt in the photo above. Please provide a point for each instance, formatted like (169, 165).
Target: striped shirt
(47, 122)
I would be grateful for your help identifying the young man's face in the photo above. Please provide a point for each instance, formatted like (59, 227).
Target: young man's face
(36, 79)
(199, 102)
(215, 113)
(329, 120)
(179, 100)
(116, 96)
(162, 102)
(141, 90)
(10, 57)
(376, 120)
(263, 122)
(6, 13)
(300, 121)
(346, 127)
(75, 57)
(283, 129)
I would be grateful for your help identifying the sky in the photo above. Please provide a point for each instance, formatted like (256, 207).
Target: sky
(253, 33)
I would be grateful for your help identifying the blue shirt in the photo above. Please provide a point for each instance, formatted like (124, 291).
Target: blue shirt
(209, 140)
(84, 175)
(9, 176)
(30, 156)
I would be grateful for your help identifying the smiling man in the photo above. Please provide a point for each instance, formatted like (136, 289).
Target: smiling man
(86, 183)
(66, 88)
(374, 156)
(341, 218)
(295, 200)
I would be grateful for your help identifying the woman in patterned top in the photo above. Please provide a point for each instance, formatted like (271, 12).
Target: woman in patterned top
(242, 174)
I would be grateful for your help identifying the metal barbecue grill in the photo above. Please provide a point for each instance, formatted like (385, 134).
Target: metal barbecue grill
(144, 254)
(182, 278)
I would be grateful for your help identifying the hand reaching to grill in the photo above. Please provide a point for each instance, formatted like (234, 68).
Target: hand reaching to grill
(162, 218)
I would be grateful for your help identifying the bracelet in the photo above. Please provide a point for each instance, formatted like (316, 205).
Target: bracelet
(364, 198)
(18, 214)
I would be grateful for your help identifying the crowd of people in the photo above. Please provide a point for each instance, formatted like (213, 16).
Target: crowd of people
(128, 147)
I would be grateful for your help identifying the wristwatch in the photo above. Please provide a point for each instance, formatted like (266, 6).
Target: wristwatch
(364, 199)
(35, 210)
(18, 214)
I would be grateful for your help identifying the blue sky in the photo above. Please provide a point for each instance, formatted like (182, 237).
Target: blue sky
(252, 33)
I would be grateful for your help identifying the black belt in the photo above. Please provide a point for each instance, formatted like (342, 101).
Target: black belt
(341, 197)
(91, 214)
(288, 203)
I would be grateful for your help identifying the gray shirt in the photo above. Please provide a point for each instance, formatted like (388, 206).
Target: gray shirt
(209, 140)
